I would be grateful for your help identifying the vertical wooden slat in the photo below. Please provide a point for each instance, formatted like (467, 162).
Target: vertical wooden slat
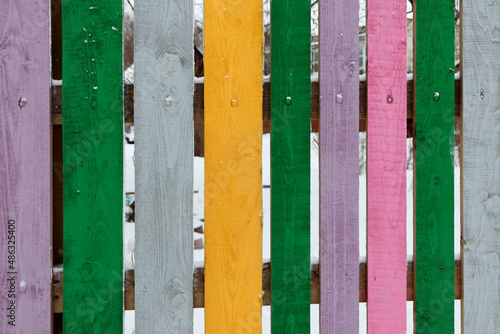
(290, 166)
(434, 143)
(339, 160)
(93, 166)
(164, 166)
(481, 166)
(25, 167)
(233, 186)
(386, 166)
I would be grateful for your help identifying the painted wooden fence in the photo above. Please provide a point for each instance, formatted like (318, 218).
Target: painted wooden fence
(233, 101)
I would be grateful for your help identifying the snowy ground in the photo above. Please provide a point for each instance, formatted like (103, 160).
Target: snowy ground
(198, 217)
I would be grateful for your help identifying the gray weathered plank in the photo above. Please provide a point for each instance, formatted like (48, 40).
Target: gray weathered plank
(164, 166)
(481, 166)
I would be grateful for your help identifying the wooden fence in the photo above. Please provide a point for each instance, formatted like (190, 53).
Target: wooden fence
(38, 155)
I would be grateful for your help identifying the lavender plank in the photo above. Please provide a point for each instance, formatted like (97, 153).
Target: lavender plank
(25, 167)
(339, 154)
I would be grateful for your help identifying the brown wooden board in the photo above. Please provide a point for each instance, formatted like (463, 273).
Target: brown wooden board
(199, 286)
(198, 102)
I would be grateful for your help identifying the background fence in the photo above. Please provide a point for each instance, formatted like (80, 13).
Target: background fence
(74, 135)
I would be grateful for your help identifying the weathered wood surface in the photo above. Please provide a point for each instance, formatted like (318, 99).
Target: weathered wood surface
(92, 166)
(163, 92)
(198, 102)
(290, 165)
(386, 166)
(25, 167)
(233, 155)
(433, 169)
(481, 166)
(339, 166)
(199, 286)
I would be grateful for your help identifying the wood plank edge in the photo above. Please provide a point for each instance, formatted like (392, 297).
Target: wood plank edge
(199, 286)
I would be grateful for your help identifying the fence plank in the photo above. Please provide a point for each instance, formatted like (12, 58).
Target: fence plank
(164, 166)
(233, 195)
(92, 166)
(290, 165)
(481, 166)
(25, 167)
(434, 144)
(386, 174)
(339, 162)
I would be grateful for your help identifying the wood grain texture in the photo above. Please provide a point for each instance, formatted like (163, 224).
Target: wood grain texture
(25, 167)
(233, 155)
(386, 166)
(290, 166)
(339, 166)
(434, 144)
(92, 166)
(481, 166)
(164, 166)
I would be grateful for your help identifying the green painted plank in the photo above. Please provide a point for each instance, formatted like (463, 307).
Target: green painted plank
(92, 166)
(434, 143)
(290, 166)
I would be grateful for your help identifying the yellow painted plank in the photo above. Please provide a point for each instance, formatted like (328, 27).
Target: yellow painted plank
(233, 186)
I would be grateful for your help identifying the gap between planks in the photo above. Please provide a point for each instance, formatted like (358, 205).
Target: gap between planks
(198, 101)
(199, 286)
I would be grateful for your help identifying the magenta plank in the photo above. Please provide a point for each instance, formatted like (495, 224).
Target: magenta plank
(25, 167)
(386, 166)
(339, 170)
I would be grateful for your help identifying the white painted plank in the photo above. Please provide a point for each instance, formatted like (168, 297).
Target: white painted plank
(164, 166)
(481, 166)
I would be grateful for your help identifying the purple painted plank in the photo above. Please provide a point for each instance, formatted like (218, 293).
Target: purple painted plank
(339, 166)
(25, 162)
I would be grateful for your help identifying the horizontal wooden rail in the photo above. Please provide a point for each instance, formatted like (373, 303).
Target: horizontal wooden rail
(266, 102)
(199, 286)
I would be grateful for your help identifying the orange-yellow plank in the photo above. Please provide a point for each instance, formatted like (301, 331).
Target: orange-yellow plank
(233, 196)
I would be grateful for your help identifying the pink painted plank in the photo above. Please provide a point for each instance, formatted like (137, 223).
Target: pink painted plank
(386, 179)
(339, 166)
(25, 167)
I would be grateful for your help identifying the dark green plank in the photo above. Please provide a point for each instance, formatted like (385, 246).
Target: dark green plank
(290, 166)
(93, 172)
(434, 142)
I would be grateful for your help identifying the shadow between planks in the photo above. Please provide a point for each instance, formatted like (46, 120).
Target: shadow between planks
(198, 102)
(199, 286)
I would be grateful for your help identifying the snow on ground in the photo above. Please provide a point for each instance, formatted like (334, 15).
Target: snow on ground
(198, 220)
